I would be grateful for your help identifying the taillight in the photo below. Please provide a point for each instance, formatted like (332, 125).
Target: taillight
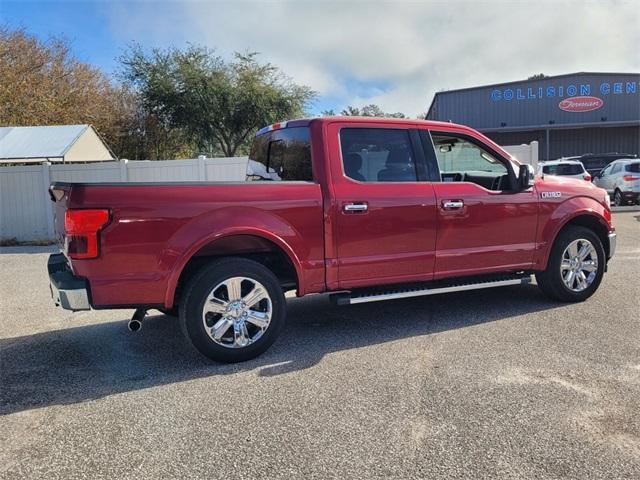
(630, 178)
(81, 228)
(587, 177)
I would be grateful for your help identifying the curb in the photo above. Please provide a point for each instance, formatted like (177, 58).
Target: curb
(628, 208)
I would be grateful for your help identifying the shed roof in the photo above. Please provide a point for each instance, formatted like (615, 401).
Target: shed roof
(38, 142)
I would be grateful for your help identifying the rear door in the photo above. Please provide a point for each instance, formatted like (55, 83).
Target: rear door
(384, 217)
(484, 225)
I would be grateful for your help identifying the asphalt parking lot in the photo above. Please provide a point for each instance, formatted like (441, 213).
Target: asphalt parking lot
(496, 383)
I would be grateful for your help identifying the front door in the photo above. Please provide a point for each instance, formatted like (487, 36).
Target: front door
(604, 179)
(484, 224)
(385, 212)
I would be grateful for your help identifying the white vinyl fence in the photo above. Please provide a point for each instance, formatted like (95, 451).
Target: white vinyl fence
(26, 212)
(525, 153)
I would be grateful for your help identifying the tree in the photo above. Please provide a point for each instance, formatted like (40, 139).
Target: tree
(146, 136)
(537, 76)
(371, 110)
(217, 103)
(43, 84)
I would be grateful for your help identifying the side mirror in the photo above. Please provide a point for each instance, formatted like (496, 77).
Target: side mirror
(526, 177)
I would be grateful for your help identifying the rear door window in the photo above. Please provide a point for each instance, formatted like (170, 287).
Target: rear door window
(377, 155)
(281, 155)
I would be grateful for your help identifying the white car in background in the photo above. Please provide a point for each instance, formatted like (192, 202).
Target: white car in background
(564, 168)
(621, 180)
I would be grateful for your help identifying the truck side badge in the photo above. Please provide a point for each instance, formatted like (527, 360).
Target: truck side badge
(550, 194)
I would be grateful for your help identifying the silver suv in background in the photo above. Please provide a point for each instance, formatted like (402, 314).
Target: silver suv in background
(621, 179)
(564, 168)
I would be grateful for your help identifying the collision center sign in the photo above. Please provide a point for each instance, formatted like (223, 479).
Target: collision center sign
(572, 97)
(580, 104)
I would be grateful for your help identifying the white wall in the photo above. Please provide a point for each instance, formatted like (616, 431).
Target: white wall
(525, 153)
(88, 146)
(25, 207)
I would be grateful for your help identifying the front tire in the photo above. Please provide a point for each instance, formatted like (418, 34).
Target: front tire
(575, 267)
(617, 198)
(233, 310)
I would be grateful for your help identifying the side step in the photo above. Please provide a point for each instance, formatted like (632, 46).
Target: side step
(391, 293)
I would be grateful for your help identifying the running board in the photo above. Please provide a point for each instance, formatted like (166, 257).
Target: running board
(351, 298)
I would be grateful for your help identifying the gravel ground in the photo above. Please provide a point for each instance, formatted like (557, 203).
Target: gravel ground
(496, 383)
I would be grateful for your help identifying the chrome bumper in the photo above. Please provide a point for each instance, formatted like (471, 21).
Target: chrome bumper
(612, 245)
(67, 290)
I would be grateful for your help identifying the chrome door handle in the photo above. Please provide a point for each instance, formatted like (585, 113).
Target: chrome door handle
(355, 207)
(452, 204)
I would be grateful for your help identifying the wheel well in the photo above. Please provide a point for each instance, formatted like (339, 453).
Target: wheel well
(252, 247)
(592, 223)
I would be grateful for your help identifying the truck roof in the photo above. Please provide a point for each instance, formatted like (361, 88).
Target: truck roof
(304, 122)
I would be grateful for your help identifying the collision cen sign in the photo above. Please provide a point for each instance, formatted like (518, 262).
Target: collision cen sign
(572, 98)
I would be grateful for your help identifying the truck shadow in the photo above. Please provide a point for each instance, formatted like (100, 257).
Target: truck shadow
(89, 362)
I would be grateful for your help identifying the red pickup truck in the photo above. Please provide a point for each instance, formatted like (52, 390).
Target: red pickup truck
(367, 209)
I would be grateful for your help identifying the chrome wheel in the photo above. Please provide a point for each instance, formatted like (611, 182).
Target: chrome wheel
(237, 312)
(579, 265)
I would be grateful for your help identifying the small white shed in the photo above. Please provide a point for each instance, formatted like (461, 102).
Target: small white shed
(55, 144)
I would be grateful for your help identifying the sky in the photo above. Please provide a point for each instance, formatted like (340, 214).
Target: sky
(396, 54)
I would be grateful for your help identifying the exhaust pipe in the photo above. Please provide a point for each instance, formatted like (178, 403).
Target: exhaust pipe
(135, 324)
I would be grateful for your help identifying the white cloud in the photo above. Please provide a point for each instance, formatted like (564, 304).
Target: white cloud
(409, 50)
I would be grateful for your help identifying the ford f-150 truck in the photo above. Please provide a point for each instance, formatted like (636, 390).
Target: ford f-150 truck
(366, 209)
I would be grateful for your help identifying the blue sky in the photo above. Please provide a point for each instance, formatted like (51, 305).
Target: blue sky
(396, 54)
(83, 23)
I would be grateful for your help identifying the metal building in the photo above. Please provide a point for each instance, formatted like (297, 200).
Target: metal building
(55, 144)
(568, 115)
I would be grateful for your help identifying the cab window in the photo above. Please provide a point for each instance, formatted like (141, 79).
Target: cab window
(460, 160)
(281, 155)
(377, 155)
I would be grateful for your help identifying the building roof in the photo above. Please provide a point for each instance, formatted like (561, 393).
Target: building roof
(550, 77)
(38, 142)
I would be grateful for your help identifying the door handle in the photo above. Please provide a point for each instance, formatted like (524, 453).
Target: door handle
(452, 204)
(355, 207)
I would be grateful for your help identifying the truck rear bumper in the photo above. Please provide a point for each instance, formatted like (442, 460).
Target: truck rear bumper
(612, 245)
(67, 290)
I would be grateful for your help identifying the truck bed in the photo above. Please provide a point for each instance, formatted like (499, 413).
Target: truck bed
(155, 228)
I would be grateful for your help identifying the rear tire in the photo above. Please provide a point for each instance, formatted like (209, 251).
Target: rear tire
(562, 263)
(233, 310)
